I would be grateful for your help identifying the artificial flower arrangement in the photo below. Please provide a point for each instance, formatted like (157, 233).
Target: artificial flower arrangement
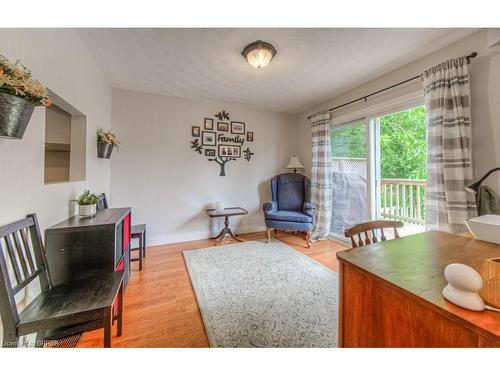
(107, 138)
(16, 80)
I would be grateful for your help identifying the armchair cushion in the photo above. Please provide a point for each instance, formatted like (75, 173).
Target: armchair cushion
(295, 216)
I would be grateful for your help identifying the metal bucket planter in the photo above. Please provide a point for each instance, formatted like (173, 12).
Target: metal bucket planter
(104, 150)
(15, 114)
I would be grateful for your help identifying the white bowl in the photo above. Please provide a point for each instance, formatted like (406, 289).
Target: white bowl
(485, 228)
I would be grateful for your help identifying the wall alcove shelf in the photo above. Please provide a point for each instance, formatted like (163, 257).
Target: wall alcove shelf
(57, 147)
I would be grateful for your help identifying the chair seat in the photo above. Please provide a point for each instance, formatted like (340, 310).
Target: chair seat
(72, 303)
(294, 216)
(137, 229)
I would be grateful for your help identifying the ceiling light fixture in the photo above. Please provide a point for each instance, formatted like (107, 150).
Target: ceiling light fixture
(259, 53)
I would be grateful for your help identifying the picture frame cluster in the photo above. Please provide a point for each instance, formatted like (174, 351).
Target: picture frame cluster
(221, 140)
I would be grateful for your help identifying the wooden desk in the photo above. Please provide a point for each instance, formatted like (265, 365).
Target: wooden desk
(390, 294)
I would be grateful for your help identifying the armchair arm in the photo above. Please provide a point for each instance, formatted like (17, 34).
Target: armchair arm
(309, 208)
(269, 206)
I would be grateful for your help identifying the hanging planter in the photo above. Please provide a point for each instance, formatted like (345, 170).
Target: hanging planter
(106, 142)
(19, 94)
(104, 150)
(15, 114)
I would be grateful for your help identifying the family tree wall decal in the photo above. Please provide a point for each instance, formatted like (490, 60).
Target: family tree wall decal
(224, 143)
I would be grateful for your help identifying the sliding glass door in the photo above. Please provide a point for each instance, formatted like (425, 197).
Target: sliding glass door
(379, 171)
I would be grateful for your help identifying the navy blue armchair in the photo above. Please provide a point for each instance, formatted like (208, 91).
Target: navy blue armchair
(290, 208)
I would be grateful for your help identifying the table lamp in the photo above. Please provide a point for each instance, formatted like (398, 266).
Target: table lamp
(294, 164)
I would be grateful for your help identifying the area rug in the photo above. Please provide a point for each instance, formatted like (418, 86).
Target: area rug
(254, 294)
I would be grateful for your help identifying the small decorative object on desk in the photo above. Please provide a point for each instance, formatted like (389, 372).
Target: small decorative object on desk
(464, 284)
(19, 94)
(219, 206)
(87, 204)
(106, 141)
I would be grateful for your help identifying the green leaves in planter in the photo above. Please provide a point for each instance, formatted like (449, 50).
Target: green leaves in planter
(87, 198)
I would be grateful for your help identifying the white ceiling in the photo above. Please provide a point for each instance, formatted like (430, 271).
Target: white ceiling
(311, 66)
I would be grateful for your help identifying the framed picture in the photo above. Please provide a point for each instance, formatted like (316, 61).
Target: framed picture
(230, 151)
(208, 138)
(195, 131)
(209, 124)
(223, 126)
(237, 127)
(209, 152)
(250, 136)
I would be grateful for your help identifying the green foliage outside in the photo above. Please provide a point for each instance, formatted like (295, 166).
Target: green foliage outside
(402, 144)
(349, 142)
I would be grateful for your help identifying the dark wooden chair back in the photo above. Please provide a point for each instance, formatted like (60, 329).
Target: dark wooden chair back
(22, 260)
(103, 203)
(370, 229)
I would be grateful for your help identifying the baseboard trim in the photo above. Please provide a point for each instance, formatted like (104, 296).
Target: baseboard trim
(167, 239)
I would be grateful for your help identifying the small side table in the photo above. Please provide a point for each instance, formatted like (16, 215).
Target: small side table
(226, 213)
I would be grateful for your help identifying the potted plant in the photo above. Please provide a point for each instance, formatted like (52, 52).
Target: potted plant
(19, 94)
(106, 141)
(87, 204)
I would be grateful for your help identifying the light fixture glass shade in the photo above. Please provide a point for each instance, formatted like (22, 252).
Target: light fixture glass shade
(259, 54)
(295, 164)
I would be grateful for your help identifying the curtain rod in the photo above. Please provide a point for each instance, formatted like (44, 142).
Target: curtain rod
(468, 57)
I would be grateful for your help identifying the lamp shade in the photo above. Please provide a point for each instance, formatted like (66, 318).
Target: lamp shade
(294, 164)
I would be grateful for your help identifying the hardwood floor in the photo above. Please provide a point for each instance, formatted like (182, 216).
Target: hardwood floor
(160, 308)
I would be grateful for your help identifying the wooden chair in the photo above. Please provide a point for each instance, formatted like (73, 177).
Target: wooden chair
(86, 303)
(136, 231)
(373, 227)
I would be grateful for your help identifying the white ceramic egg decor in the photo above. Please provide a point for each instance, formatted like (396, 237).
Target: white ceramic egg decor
(464, 283)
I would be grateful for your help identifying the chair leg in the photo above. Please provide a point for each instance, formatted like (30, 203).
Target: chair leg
(268, 233)
(119, 327)
(141, 250)
(144, 241)
(308, 238)
(108, 323)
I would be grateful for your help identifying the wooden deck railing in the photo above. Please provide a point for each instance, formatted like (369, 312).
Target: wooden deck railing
(403, 199)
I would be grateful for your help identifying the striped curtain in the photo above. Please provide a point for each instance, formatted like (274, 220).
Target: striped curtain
(321, 174)
(449, 169)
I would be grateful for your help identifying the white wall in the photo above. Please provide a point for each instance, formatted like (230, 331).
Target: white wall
(169, 185)
(485, 93)
(61, 61)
